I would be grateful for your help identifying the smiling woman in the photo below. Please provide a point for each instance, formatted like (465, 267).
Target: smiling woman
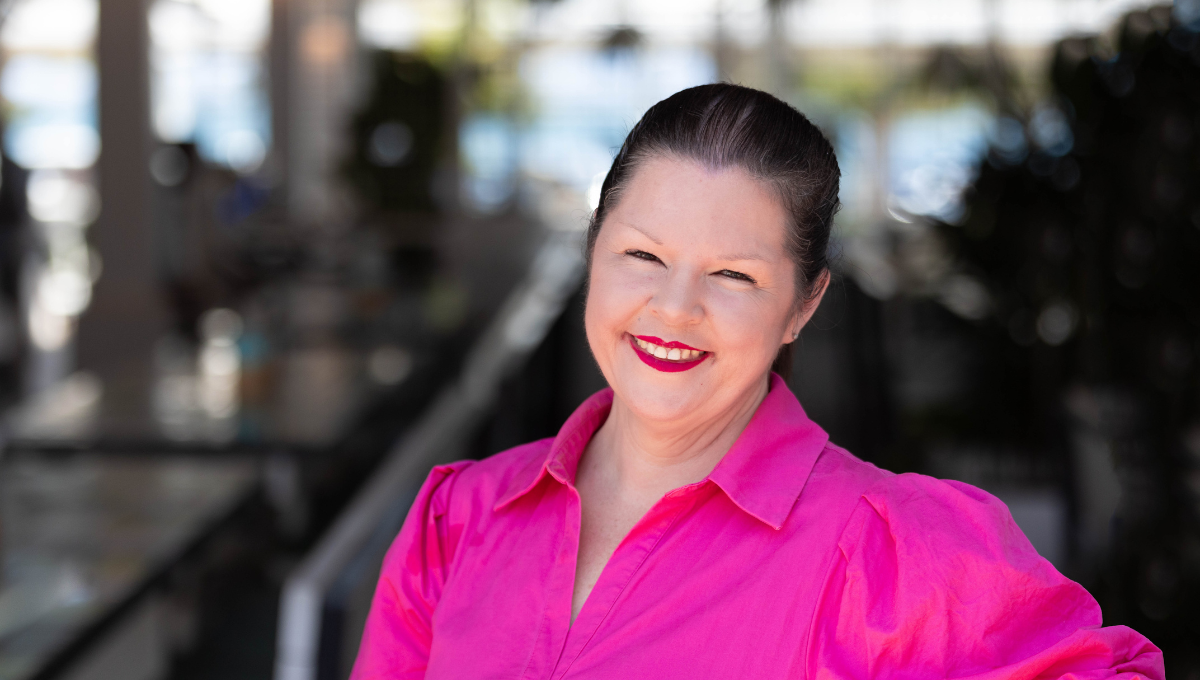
(691, 521)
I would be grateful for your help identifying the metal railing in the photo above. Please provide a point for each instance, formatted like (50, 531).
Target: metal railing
(326, 598)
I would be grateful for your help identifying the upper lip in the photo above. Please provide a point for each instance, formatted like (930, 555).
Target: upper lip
(663, 343)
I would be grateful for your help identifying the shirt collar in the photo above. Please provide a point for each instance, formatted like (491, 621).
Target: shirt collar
(763, 473)
(562, 460)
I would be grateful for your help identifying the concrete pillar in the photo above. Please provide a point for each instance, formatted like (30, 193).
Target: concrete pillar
(128, 311)
(314, 88)
(281, 48)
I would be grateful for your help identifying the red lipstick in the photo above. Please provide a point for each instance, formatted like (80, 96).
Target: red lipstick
(663, 343)
(662, 364)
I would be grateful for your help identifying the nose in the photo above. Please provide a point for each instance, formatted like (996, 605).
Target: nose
(678, 301)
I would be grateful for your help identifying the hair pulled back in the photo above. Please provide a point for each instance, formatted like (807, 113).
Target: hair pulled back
(722, 126)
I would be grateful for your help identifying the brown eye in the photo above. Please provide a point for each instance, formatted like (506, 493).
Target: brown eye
(737, 276)
(642, 255)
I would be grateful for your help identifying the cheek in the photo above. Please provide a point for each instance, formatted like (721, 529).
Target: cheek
(745, 323)
(606, 314)
(615, 297)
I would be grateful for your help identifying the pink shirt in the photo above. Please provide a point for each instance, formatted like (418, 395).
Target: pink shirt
(793, 559)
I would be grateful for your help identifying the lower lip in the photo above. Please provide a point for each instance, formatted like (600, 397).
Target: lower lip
(664, 365)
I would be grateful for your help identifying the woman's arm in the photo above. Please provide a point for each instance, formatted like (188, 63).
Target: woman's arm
(399, 633)
(936, 580)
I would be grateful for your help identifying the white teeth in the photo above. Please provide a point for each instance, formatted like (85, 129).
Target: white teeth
(674, 354)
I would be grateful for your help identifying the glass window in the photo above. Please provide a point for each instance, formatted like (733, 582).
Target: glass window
(208, 78)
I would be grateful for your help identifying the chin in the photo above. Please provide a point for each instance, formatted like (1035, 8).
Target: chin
(662, 403)
(663, 397)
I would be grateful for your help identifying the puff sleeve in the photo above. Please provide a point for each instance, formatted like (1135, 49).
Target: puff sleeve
(398, 633)
(933, 579)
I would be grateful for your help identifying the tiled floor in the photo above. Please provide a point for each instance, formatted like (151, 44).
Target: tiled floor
(82, 533)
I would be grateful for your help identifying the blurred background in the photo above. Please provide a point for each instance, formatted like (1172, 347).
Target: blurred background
(264, 262)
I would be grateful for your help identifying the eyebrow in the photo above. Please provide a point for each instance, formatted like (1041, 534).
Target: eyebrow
(742, 256)
(736, 257)
(643, 232)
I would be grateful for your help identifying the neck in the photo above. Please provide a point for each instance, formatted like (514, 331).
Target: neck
(652, 458)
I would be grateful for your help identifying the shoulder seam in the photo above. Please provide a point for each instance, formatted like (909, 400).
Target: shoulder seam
(449, 473)
(833, 563)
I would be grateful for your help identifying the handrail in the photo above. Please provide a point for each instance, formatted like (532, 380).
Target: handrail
(372, 518)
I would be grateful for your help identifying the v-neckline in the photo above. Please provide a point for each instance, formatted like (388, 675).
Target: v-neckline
(645, 536)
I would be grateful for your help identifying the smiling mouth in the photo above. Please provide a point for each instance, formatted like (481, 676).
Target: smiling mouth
(669, 357)
(674, 351)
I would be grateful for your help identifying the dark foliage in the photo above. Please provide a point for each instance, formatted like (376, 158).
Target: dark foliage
(398, 134)
(1089, 240)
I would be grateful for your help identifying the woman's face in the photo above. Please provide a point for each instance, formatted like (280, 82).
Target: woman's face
(691, 291)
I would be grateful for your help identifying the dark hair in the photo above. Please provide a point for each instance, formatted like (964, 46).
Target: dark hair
(725, 125)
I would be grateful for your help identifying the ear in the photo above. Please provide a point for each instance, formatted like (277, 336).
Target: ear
(807, 309)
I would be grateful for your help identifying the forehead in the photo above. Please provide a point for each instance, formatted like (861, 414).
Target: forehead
(685, 203)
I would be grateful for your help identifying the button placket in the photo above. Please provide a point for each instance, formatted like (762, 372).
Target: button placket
(559, 583)
(563, 577)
